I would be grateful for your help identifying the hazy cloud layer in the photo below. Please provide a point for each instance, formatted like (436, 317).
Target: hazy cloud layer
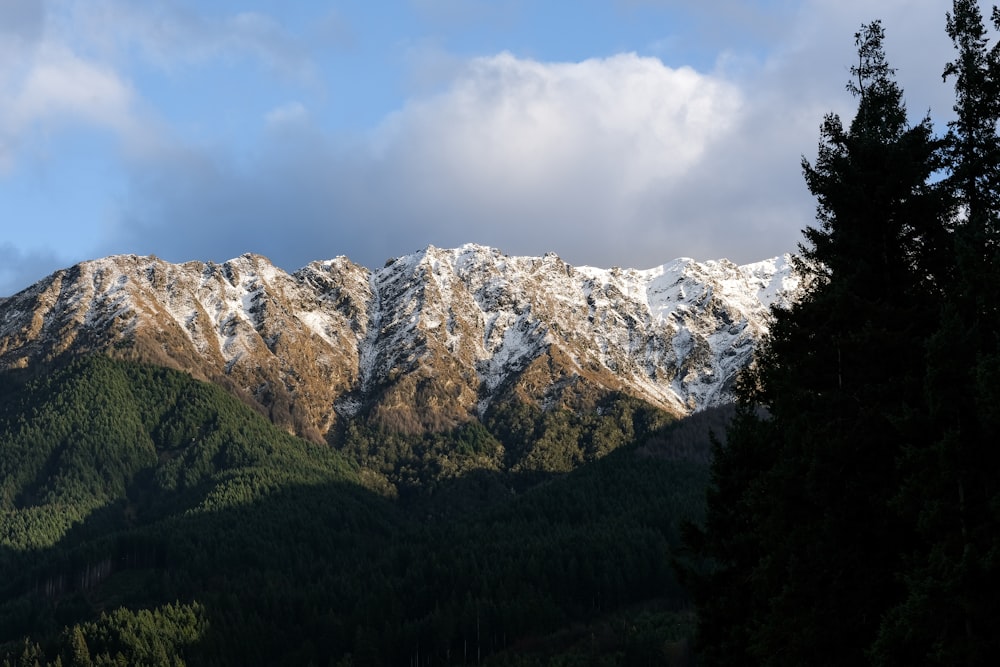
(619, 160)
(613, 161)
(174, 34)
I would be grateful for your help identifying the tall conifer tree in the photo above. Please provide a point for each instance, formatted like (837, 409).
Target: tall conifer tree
(799, 532)
(952, 489)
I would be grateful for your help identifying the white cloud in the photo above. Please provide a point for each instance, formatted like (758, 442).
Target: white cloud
(61, 84)
(53, 88)
(68, 67)
(525, 155)
(536, 148)
(612, 161)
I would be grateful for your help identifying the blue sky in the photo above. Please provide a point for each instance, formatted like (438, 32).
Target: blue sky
(614, 133)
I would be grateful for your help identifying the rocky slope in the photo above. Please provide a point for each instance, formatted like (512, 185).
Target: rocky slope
(425, 343)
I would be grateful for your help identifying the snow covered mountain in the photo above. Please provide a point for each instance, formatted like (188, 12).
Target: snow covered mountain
(427, 342)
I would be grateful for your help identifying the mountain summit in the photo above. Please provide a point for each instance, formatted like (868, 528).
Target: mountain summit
(425, 343)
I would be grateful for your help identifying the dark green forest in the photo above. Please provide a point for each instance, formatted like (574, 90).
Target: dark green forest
(854, 515)
(152, 519)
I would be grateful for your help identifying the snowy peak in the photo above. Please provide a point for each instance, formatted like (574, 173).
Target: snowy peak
(428, 341)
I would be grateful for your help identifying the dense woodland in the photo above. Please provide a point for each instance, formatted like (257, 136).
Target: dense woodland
(854, 515)
(151, 519)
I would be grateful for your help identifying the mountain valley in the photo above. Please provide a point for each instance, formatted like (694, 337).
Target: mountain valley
(459, 457)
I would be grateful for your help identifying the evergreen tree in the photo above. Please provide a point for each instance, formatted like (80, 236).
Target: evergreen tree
(952, 490)
(799, 533)
(79, 652)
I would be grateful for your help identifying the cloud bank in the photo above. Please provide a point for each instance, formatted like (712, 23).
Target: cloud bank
(617, 160)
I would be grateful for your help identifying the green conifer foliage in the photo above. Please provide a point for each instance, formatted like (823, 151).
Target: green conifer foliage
(800, 537)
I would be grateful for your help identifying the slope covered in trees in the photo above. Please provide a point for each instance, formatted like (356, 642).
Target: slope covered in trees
(852, 517)
(149, 518)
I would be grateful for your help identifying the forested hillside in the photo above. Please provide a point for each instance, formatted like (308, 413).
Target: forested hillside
(152, 519)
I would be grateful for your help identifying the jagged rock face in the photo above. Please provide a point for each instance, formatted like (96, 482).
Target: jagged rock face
(424, 343)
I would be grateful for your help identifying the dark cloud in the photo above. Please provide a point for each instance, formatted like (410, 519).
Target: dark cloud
(20, 268)
(22, 21)
(720, 25)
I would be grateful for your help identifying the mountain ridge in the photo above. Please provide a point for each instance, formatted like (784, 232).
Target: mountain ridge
(427, 342)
